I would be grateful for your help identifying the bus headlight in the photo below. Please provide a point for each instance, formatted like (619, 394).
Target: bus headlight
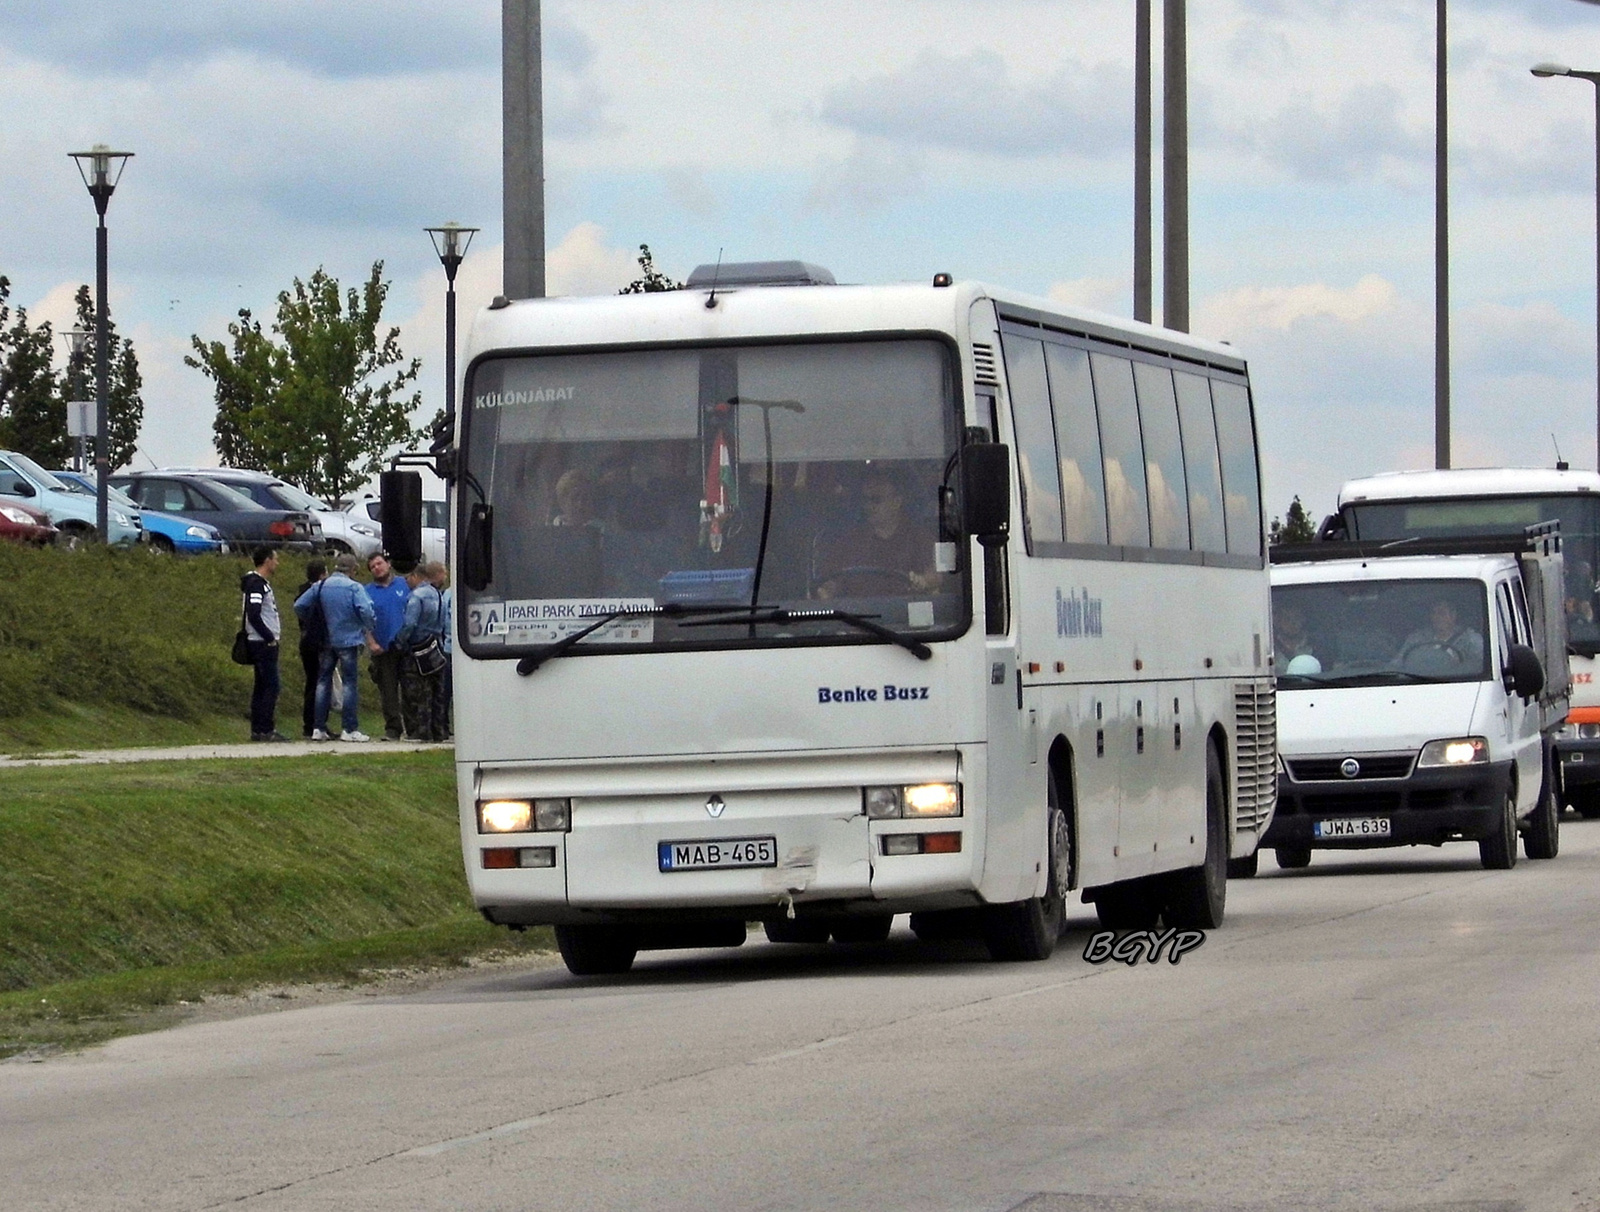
(524, 816)
(1574, 732)
(914, 800)
(1461, 751)
(505, 816)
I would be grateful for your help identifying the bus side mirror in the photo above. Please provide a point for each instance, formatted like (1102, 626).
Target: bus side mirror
(401, 515)
(1524, 675)
(477, 548)
(986, 492)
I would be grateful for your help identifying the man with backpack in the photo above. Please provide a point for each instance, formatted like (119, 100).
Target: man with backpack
(419, 643)
(313, 639)
(347, 613)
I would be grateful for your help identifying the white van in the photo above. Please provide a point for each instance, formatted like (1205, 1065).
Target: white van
(1420, 687)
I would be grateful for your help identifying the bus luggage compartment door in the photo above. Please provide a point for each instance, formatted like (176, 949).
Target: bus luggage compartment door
(735, 847)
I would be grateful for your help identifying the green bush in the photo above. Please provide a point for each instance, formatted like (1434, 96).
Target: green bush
(131, 629)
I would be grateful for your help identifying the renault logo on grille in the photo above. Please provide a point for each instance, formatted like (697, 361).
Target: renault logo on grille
(715, 805)
(1349, 768)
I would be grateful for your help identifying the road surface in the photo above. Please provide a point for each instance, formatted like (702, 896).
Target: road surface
(1388, 1030)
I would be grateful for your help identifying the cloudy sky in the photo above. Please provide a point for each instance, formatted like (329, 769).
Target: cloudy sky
(988, 138)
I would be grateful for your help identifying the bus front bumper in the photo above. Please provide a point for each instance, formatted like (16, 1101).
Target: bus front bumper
(798, 828)
(1579, 762)
(1427, 808)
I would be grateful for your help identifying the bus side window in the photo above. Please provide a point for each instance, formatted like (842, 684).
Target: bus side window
(1241, 479)
(1203, 471)
(1126, 506)
(1163, 457)
(1036, 439)
(1083, 483)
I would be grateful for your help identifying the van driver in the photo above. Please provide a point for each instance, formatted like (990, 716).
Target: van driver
(1445, 632)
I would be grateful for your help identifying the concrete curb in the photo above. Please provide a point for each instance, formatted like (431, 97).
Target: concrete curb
(108, 757)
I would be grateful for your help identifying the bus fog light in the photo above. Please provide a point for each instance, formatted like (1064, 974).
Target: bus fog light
(933, 799)
(536, 856)
(1462, 751)
(552, 816)
(505, 816)
(902, 843)
(883, 803)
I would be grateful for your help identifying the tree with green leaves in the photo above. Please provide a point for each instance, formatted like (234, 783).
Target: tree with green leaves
(321, 398)
(650, 279)
(1296, 526)
(33, 418)
(124, 386)
(33, 398)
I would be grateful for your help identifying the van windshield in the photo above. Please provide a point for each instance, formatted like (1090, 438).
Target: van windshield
(641, 480)
(1579, 516)
(1380, 633)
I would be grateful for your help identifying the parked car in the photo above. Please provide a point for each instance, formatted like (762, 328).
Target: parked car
(368, 509)
(242, 522)
(162, 531)
(340, 531)
(72, 516)
(21, 523)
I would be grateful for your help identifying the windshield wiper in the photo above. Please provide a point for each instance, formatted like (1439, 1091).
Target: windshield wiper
(671, 610)
(778, 614)
(1381, 677)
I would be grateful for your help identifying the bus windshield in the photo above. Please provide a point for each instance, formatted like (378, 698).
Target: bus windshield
(1380, 633)
(1580, 539)
(791, 477)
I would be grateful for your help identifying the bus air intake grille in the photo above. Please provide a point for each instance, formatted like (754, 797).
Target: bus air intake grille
(1255, 709)
(983, 368)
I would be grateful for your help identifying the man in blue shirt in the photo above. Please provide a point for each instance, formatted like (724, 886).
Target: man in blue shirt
(423, 660)
(388, 594)
(349, 619)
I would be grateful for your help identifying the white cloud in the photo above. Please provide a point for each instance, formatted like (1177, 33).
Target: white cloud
(584, 264)
(1101, 294)
(1236, 314)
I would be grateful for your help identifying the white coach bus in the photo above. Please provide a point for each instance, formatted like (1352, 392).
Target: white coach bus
(742, 633)
(1496, 500)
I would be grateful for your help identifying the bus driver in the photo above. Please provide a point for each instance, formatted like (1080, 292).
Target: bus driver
(883, 553)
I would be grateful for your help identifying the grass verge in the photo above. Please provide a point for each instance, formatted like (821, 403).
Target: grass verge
(130, 887)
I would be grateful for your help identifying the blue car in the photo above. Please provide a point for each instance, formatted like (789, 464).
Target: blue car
(163, 531)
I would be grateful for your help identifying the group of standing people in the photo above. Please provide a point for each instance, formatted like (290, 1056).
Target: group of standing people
(401, 622)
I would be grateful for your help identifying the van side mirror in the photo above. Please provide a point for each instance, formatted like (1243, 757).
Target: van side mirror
(477, 547)
(401, 496)
(1524, 673)
(986, 492)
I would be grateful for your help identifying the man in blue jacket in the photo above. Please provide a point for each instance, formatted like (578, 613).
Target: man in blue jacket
(348, 611)
(388, 594)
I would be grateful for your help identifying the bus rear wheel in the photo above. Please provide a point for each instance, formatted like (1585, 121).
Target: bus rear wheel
(597, 950)
(1028, 930)
(1198, 896)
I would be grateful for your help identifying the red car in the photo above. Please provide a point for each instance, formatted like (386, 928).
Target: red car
(24, 524)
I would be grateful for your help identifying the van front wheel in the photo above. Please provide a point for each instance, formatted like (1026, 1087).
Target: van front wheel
(1498, 851)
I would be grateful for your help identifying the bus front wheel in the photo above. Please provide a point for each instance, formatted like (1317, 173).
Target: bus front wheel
(1028, 930)
(597, 950)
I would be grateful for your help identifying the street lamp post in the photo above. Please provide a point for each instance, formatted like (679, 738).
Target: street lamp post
(451, 242)
(101, 175)
(1544, 71)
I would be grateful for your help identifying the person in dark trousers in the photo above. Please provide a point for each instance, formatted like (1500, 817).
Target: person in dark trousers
(422, 658)
(313, 639)
(388, 594)
(262, 629)
(441, 582)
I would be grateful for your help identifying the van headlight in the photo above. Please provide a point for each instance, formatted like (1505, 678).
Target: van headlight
(1459, 751)
(912, 800)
